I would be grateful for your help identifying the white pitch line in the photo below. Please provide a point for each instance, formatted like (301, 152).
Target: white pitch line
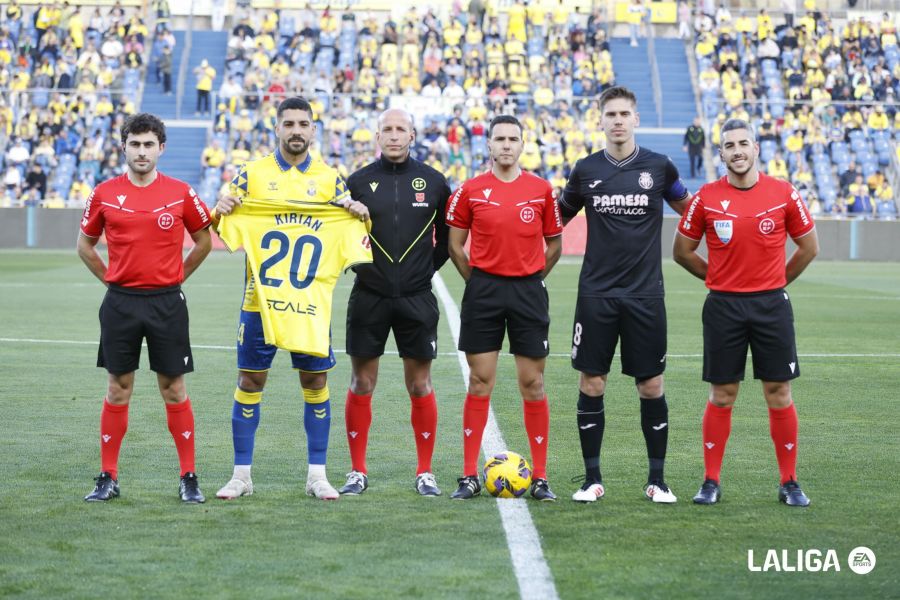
(394, 352)
(531, 569)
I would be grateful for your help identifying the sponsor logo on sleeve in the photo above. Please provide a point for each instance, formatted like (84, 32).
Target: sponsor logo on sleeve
(452, 208)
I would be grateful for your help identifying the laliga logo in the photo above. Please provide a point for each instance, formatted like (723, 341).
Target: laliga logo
(861, 561)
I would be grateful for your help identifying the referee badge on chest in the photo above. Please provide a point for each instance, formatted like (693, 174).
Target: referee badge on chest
(724, 229)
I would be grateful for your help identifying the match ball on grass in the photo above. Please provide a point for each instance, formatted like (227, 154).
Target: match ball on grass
(506, 475)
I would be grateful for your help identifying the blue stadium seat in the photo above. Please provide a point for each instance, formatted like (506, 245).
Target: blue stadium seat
(887, 209)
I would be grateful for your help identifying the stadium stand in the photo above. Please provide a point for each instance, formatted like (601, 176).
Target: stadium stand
(822, 95)
(72, 75)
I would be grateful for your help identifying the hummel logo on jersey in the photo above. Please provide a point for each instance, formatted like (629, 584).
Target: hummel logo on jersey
(709, 445)
(320, 413)
(468, 432)
(545, 341)
(426, 434)
(186, 358)
(121, 199)
(596, 183)
(433, 345)
(106, 437)
(793, 366)
(352, 434)
(186, 434)
(373, 185)
(588, 426)
(539, 439)
(660, 426)
(789, 446)
(663, 359)
(487, 193)
(725, 204)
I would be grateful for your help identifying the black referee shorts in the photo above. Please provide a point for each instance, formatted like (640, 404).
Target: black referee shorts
(764, 321)
(128, 315)
(492, 304)
(371, 317)
(640, 323)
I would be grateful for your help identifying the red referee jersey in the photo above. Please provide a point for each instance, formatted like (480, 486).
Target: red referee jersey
(144, 228)
(508, 222)
(746, 231)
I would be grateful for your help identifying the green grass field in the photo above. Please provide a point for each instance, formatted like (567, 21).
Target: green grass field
(390, 542)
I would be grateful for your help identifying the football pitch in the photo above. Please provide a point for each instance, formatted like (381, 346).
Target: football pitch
(390, 542)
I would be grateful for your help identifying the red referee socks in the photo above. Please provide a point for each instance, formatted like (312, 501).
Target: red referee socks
(113, 425)
(358, 418)
(475, 416)
(181, 425)
(783, 427)
(537, 425)
(424, 423)
(716, 429)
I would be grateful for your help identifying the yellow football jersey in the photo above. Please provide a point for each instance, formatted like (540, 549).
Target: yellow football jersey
(297, 244)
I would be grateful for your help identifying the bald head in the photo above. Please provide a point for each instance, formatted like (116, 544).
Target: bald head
(396, 134)
(394, 114)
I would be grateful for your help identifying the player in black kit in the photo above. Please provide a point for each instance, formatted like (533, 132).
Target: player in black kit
(620, 292)
(406, 201)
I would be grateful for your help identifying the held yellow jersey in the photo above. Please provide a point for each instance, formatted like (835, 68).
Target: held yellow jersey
(297, 244)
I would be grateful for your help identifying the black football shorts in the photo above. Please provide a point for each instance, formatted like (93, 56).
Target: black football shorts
(371, 317)
(493, 304)
(764, 321)
(640, 324)
(128, 315)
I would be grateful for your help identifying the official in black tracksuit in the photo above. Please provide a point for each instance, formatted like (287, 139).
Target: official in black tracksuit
(406, 201)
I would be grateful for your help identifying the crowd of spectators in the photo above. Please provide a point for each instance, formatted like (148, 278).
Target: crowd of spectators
(823, 96)
(547, 66)
(71, 72)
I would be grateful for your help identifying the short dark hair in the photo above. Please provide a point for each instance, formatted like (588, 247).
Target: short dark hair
(294, 103)
(142, 123)
(501, 119)
(733, 124)
(616, 92)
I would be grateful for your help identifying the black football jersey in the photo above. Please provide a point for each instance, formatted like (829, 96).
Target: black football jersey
(623, 205)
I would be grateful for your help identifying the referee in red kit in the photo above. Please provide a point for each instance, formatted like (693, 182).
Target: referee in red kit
(746, 217)
(144, 215)
(512, 215)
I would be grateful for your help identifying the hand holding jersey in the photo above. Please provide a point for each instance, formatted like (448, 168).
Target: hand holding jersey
(406, 199)
(297, 244)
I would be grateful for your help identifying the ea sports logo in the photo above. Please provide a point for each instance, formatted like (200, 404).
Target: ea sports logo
(527, 214)
(766, 226)
(165, 221)
(861, 560)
